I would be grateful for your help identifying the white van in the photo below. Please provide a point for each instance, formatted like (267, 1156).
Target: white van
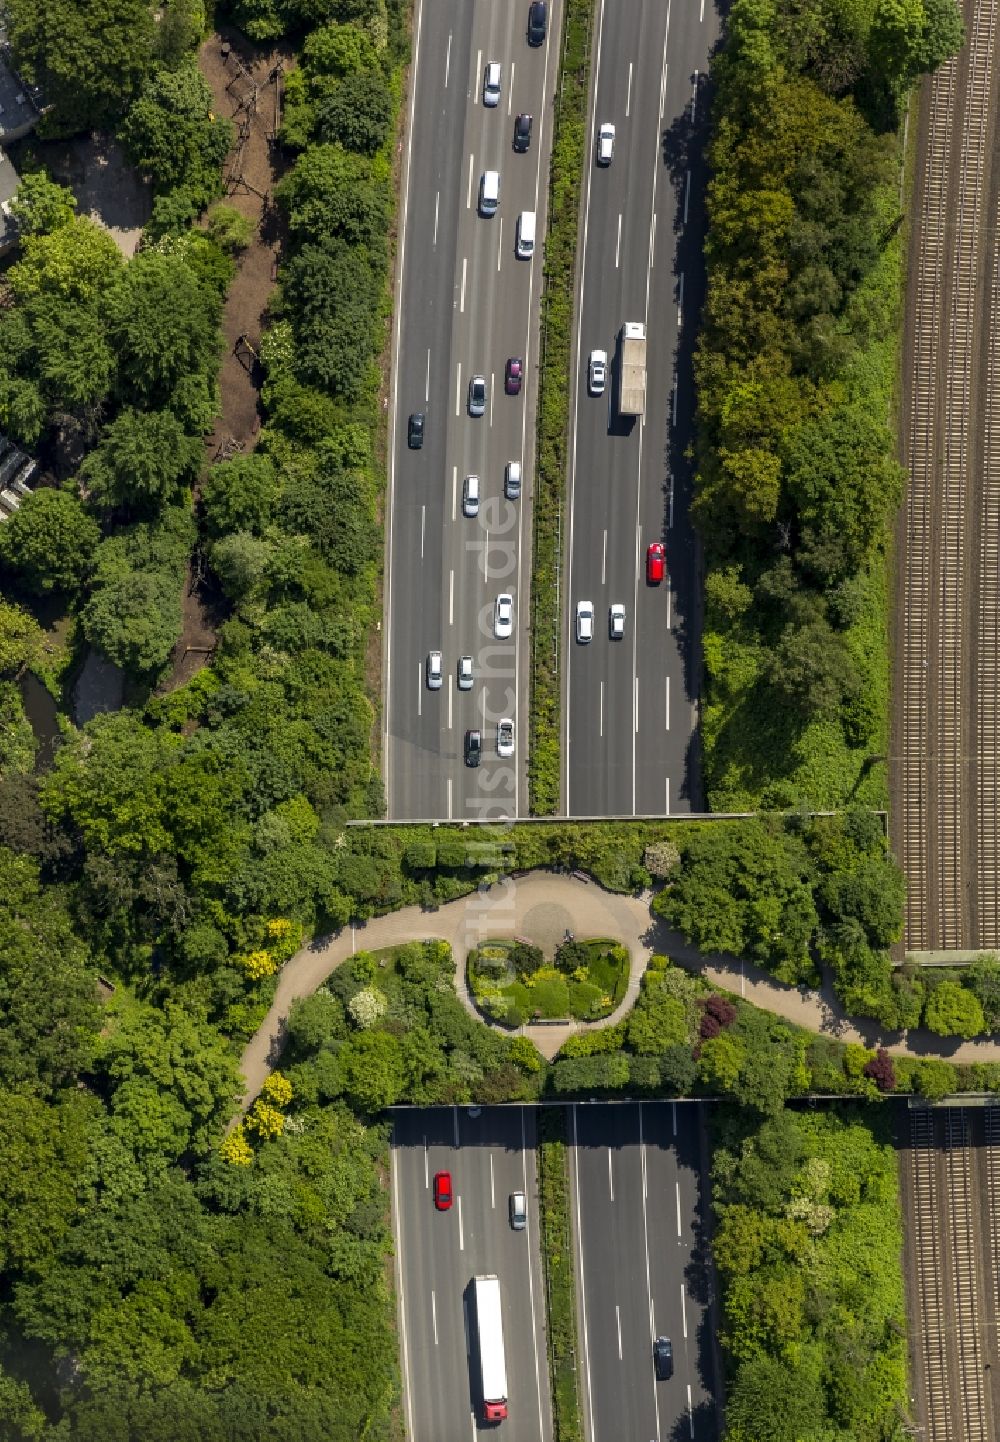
(512, 480)
(525, 234)
(489, 192)
(470, 496)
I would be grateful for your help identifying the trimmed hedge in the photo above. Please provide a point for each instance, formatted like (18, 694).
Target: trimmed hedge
(560, 1284)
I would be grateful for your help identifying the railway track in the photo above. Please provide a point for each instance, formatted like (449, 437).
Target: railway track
(953, 1183)
(945, 774)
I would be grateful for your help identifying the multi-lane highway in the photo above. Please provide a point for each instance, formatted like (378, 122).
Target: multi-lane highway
(641, 1270)
(489, 1155)
(629, 706)
(464, 305)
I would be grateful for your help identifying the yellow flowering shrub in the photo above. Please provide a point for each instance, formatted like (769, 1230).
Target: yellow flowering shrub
(265, 1120)
(258, 964)
(236, 1150)
(277, 1089)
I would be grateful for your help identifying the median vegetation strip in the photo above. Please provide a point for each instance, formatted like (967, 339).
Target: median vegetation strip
(560, 1283)
(554, 390)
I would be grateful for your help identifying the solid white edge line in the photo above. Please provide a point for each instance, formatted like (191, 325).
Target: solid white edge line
(649, 1285)
(398, 1233)
(583, 1289)
(393, 418)
(531, 1279)
(461, 1229)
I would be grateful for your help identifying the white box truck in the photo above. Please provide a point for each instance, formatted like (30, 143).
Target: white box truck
(632, 369)
(492, 1362)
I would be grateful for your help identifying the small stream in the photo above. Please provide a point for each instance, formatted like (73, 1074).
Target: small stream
(42, 712)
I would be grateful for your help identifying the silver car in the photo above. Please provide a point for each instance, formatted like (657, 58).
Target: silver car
(491, 84)
(505, 739)
(518, 1210)
(465, 673)
(435, 675)
(477, 396)
(503, 616)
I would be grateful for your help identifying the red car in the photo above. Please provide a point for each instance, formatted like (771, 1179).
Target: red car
(512, 379)
(655, 562)
(442, 1191)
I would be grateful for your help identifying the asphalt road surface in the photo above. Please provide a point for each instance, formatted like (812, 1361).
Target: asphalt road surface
(641, 1271)
(438, 1254)
(464, 304)
(629, 713)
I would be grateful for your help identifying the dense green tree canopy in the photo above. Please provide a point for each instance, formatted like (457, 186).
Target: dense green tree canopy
(50, 542)
(143, 462)
(173, 136)
(88, 55)
(41, 205)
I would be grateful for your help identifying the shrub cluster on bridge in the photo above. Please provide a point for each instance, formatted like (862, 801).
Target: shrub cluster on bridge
(797, 479)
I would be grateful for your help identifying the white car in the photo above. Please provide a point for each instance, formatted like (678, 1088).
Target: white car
(503, 616)
(465, 673)
(491, 84)
(435, 676)
(597, 372)
(584, 621)
(616, 621)
(505, 739)
(606, 143)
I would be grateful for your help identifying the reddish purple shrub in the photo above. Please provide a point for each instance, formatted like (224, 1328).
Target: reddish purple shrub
(710, 1026)
(881, 1070)
(721, 1009)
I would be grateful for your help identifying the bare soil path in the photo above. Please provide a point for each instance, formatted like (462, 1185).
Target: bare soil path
(245, 82)
(541, 906)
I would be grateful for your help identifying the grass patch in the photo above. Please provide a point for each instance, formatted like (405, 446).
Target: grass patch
(560, 1285)
(512, 984)
(566, 176)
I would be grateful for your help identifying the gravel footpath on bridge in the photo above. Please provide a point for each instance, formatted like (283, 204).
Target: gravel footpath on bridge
(541, 907)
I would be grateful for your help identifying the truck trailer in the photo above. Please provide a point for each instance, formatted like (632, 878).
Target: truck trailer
(632, 369)
(492, 1362)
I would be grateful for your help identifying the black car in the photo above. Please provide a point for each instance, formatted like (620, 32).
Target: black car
(537, 20)
(522, 133)
(473, 748)
(415, 431)
(663, 1358)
